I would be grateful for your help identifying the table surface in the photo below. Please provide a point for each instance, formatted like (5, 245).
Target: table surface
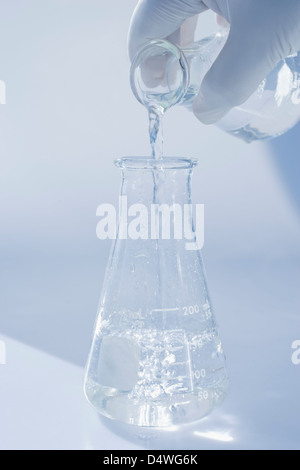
(42, 406)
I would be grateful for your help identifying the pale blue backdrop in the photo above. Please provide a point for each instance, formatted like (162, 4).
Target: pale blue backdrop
(69, 113)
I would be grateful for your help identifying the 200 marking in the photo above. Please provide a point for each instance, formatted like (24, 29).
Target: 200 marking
(191, 309)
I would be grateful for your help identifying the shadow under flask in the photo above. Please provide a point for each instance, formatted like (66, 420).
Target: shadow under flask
(156, 357)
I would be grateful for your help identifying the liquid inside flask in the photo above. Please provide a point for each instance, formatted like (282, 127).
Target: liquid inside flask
(177, 75)
(156, 358)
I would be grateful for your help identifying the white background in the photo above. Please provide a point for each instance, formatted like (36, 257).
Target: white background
(69, 113)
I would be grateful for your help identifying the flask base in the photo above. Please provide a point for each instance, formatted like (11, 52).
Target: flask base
(168, 411)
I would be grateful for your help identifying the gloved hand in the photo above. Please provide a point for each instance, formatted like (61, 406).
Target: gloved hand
(262, 32)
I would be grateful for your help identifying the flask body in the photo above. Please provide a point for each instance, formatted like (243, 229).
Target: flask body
(270, 111)
(156, 358)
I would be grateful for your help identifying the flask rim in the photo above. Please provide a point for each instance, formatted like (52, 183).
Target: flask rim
(165, 46)
(149, 163)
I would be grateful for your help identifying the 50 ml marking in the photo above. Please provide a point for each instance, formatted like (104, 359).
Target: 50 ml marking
(203, 395)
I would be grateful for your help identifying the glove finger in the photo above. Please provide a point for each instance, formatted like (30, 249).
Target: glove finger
(158, 19)
(185, 35)
(153, 71)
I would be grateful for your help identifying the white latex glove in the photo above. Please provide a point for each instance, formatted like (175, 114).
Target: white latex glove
(262, 32)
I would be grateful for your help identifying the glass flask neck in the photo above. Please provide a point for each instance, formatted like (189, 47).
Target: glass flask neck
(159, 74)
(150, 181)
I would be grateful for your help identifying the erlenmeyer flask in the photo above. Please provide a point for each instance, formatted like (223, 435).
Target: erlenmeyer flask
(156, 358)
